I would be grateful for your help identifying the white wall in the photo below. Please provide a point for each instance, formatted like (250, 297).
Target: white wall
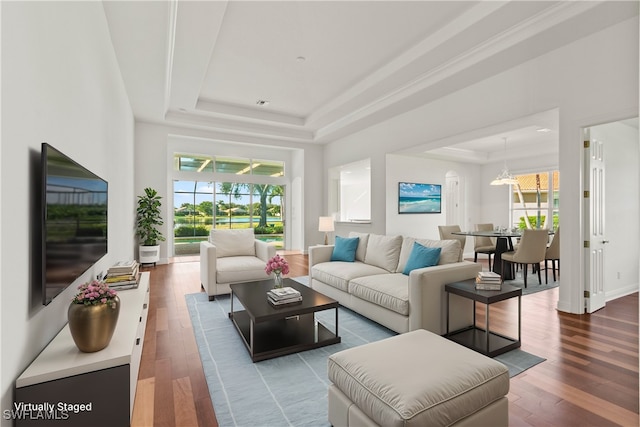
(605, 90)
(60, 84)
(622, 207)
(154, 148)
(402, 168)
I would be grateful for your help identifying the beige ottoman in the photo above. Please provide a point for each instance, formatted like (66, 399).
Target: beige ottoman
(416, 379)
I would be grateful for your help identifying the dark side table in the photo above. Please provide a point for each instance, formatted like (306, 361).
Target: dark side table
(483, 340)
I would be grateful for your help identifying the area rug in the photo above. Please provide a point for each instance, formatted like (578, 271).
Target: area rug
(532, 283)
(289, 390)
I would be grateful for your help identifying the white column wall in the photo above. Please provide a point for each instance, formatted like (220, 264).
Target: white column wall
(592, 80)
(60, 84)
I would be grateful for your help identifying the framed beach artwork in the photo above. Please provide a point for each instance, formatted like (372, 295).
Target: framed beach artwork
(414, 198)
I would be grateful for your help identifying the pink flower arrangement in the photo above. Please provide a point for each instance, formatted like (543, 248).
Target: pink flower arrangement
(94, 293)
(277, 265)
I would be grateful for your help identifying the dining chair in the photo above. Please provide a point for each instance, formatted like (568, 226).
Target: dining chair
(482, 244)
(446, 234)
(553, 254)
(531, 250)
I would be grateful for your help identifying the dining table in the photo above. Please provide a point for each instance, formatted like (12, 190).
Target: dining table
(504, 243)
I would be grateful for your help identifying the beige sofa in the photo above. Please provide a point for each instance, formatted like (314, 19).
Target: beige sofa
(232, 256)
(374, 285)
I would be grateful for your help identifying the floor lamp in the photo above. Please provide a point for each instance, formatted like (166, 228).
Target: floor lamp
(325, 224)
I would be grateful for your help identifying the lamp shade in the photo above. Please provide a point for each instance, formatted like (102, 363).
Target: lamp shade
(325, 224)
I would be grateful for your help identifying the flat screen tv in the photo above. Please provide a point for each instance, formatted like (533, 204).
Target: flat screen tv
(74, 221)
(414, 198)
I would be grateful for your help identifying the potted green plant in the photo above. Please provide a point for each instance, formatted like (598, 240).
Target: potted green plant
(147, 223)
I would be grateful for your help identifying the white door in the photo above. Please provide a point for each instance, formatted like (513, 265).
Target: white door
(452, 199)
(595, 222)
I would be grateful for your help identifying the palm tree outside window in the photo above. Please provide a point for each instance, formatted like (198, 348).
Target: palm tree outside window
(535, 201)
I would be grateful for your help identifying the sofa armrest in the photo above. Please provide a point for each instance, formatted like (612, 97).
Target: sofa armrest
(428, 301)
(264, 250)
(319, 253)
(208, 270)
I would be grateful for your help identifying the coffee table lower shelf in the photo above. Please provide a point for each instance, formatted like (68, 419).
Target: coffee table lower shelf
(282, 336)
(476, 339)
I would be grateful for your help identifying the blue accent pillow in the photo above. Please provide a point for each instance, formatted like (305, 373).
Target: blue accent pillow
(421, 256)
(345, 249)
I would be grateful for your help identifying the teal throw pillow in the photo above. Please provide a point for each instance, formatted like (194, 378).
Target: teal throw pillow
(345, 249)
(421, 256)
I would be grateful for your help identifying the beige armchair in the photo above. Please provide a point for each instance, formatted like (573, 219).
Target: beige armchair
(531, 250)
(446, 234)
(482, 244)
(553, 254)
(232, 256)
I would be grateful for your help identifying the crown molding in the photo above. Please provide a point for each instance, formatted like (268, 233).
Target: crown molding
(229, 109)
(240, 127)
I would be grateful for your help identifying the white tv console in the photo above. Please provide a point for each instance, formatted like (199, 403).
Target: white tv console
(104, 381)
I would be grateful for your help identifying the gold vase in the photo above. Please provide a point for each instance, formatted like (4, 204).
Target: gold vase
(92, 326)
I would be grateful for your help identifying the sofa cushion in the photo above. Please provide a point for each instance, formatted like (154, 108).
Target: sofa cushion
(238, 269)
(421, 256)
(362, 244)
(339, 273)
(390, 291)
(449, 250)
(233, 242)
(345, 249)
(383, 251)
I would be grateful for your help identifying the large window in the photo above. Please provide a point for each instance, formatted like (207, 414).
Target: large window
(199, 206)
(229, 165)
(192, 163)
(535, 201)
(233, 192)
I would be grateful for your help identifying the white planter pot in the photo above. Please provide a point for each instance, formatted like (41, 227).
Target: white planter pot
(149, 254)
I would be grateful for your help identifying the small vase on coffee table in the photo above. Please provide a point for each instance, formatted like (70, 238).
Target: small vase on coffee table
(277, 280)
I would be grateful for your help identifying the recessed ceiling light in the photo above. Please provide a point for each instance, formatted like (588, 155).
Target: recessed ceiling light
(544, 130)
(262, 102)
(301, 59)
(184, 110)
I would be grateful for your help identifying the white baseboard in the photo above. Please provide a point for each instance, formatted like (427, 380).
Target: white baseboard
(627, 290)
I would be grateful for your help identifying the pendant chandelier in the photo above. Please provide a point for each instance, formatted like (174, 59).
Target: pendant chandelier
(505, 177)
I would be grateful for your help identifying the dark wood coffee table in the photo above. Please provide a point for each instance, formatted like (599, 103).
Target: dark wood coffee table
(269, 331)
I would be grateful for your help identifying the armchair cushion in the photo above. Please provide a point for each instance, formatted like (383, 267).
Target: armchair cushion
(233, 242)
(238, 269)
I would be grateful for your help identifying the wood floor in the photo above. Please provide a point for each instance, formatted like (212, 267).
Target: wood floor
(590, 377)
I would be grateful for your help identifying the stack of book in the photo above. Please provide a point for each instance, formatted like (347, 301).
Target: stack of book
(488, 281)
(123, 275)
(281, 296)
